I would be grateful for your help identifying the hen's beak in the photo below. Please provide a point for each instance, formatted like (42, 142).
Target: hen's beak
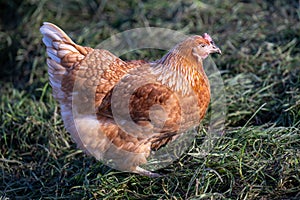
(216, 49)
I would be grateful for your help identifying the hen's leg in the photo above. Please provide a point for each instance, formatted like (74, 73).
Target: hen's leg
(142, 171)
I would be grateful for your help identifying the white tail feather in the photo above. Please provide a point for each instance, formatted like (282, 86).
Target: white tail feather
(55, 68)
(52, 53)
(57, 42)
(62, 53)
(52, 32)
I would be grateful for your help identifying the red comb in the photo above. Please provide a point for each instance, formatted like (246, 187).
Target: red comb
(207, 37)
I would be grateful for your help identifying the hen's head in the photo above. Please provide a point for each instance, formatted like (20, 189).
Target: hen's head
(196, 47)
(186, 58)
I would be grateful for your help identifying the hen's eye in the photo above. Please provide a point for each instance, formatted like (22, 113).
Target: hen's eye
(202, 45)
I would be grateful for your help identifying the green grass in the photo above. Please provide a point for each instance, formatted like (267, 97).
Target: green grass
(257, 158)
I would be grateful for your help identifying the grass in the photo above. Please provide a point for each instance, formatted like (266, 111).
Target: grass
(257, 158)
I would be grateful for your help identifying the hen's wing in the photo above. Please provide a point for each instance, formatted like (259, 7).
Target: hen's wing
(104, 108)
(143, 107)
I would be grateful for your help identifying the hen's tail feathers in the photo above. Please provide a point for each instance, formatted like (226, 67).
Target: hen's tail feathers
(60, 48)
(63, 53)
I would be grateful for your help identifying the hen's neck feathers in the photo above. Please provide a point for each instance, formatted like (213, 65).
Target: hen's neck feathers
(180, 70)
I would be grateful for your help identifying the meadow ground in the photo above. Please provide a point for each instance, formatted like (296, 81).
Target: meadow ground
(257, 158)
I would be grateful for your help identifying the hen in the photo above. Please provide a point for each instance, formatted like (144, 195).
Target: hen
(120, 111)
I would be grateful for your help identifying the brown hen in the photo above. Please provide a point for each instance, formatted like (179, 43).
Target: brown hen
(120, 111)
